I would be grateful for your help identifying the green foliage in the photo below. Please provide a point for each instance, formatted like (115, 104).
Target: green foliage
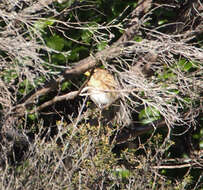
(42, 24)
(102, 45)
(9, 75)
(77, 53)
(33, 116)
(185, 183)
(138, 38)
(24, 87)
(87, 36)
(121, 173)
(55, 42)
(65, 85)
(71, 35)
(161, 22)
(199, 136)
(185, 65)
(58, 59)
(148, 115)
(167, 74)
(163, 15)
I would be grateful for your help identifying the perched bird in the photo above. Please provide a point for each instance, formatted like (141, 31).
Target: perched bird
(102, 87)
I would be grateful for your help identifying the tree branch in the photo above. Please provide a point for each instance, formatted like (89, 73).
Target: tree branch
(80, 67)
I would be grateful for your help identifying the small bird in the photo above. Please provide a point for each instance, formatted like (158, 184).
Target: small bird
(102, 87)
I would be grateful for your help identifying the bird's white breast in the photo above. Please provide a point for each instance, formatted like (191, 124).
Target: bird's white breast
(100, 98)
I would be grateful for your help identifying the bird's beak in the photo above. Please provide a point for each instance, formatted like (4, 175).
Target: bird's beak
(87, 73)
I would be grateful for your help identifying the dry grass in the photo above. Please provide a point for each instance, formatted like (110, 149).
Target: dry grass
(78, 156)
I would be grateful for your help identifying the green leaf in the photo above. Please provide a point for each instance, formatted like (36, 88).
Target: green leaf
(147, 24)
(138, 38)
(55, 42)
(198, 135)
(149, 120)
(32, 117)
(74, 55)
(77, 53)
(201, 144)
(187, 100)
(185, 65)
(40, 80)
(162, 21)
(65, 85)
(122, 173)
(25, 86)
(173, 91)
(44, 23)
(163, 171)
(102, 45)
(9, 75)
(86, 36)
(58, 59)
(148, 115)
(135, 5)
(168, 75)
